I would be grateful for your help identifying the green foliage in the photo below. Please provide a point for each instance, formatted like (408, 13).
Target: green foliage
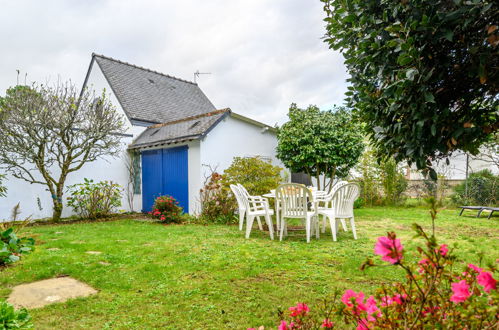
(167, 210)
(12, 247)
(255, 174)
(217, 203)
(423, 73)
(93, 200)
(381, 183)
(318, 142)
(10, 318)
(482, 189)
(3, 189)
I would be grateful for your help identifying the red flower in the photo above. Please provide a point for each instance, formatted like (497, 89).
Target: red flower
(486, 280)
(327, 324)
(460, 291)
(299, 309)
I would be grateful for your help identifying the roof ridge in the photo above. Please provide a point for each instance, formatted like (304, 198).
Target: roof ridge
(142, 68)
(207, 114)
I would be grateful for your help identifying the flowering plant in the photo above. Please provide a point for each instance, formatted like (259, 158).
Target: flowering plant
(434, 294)
(166, 209)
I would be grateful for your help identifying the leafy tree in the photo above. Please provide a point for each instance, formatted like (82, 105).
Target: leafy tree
(47, 133)
(327, 143)
(423, 73)
(3, 189)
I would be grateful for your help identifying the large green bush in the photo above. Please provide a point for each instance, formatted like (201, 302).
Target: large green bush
(93, 200)
(481, 188)
(257, 175)
(10, 318)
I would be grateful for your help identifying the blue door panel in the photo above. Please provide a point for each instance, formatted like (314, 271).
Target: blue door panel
(164, 172)
(175, 176)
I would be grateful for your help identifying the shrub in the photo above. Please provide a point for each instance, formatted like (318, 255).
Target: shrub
(393, 181)
(10, 318)
(217, 203)
(257, 175)
(434, 295)
(166, 209)
(482, 189)
(12, 247)
(93, 200)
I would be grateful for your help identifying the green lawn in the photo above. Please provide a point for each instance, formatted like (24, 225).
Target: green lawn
(210, 277)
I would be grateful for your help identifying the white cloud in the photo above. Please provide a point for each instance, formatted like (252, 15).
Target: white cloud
(263, 54)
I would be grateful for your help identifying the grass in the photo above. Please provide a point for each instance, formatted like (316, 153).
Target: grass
(210, 277)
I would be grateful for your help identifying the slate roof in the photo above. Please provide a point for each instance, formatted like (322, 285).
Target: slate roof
(182, 130)
(150, 96)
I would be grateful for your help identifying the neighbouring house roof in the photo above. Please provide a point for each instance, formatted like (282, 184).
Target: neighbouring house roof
(176, 131)
(150, 96)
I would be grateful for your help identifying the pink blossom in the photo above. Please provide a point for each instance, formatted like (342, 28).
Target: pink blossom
(422, 263)
(283, 326)
(389, 248)
(396, 299)
(460, 291)
(399, 298)
(475, 268)
(349, 295)
(486, 280)
(299, 309)
(443, 249)
(363, 325)
(372, 309)
(327, 324)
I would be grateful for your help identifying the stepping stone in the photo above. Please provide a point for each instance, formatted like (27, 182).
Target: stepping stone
(103, 263)
(59, 232)
(121, 240)
(93, 252)
(54, 239)
(147, 244)
(78, 242)
(42, 293)
(53, 249)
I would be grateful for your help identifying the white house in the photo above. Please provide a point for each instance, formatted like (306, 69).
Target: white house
(175, 128)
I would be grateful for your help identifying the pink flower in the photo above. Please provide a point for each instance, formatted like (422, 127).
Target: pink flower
(396, 299)
(327, 324)
(372, 309)
(349, 295)
(363, 324)
(422, 263)
(284, 326)
(299, 309)
(443, 250)
(486, 280)
(460, 291)
(475, 268)
(389, 248)
(399, 298)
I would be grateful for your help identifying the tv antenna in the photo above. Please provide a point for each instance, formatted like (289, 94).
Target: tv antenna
(197, 74)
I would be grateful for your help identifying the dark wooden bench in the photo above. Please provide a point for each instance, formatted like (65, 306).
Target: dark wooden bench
(480, 209)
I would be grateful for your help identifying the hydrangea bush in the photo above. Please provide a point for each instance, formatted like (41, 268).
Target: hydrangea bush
(167, 210)
(436, 293)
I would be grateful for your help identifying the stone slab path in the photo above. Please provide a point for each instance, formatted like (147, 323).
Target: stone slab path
(54, 290)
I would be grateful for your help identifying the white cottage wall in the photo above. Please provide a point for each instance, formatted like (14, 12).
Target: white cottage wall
(35, 200)
(234, 137)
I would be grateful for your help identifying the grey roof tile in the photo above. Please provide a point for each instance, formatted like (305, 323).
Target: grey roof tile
(179, 130)
(151, 96)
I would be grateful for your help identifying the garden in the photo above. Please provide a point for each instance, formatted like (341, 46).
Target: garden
(414, 262)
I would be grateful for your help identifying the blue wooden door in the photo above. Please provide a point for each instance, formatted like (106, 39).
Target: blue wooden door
(164, 172)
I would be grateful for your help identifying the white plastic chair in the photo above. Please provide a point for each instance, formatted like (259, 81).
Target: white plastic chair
(342, 207)
(325, 200)
(256, 206)
(241, 205)
(293, 200)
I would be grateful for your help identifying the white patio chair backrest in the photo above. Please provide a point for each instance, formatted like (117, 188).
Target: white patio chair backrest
(239, 196)
(328, 197)
(343, 200)
(293, 200)
(244, 195)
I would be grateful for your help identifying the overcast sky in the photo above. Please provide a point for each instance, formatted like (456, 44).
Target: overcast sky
(263, 54)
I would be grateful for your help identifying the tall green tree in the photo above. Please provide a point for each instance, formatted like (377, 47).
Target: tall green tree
(47, 133)
(424, 73)
(320, 143)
